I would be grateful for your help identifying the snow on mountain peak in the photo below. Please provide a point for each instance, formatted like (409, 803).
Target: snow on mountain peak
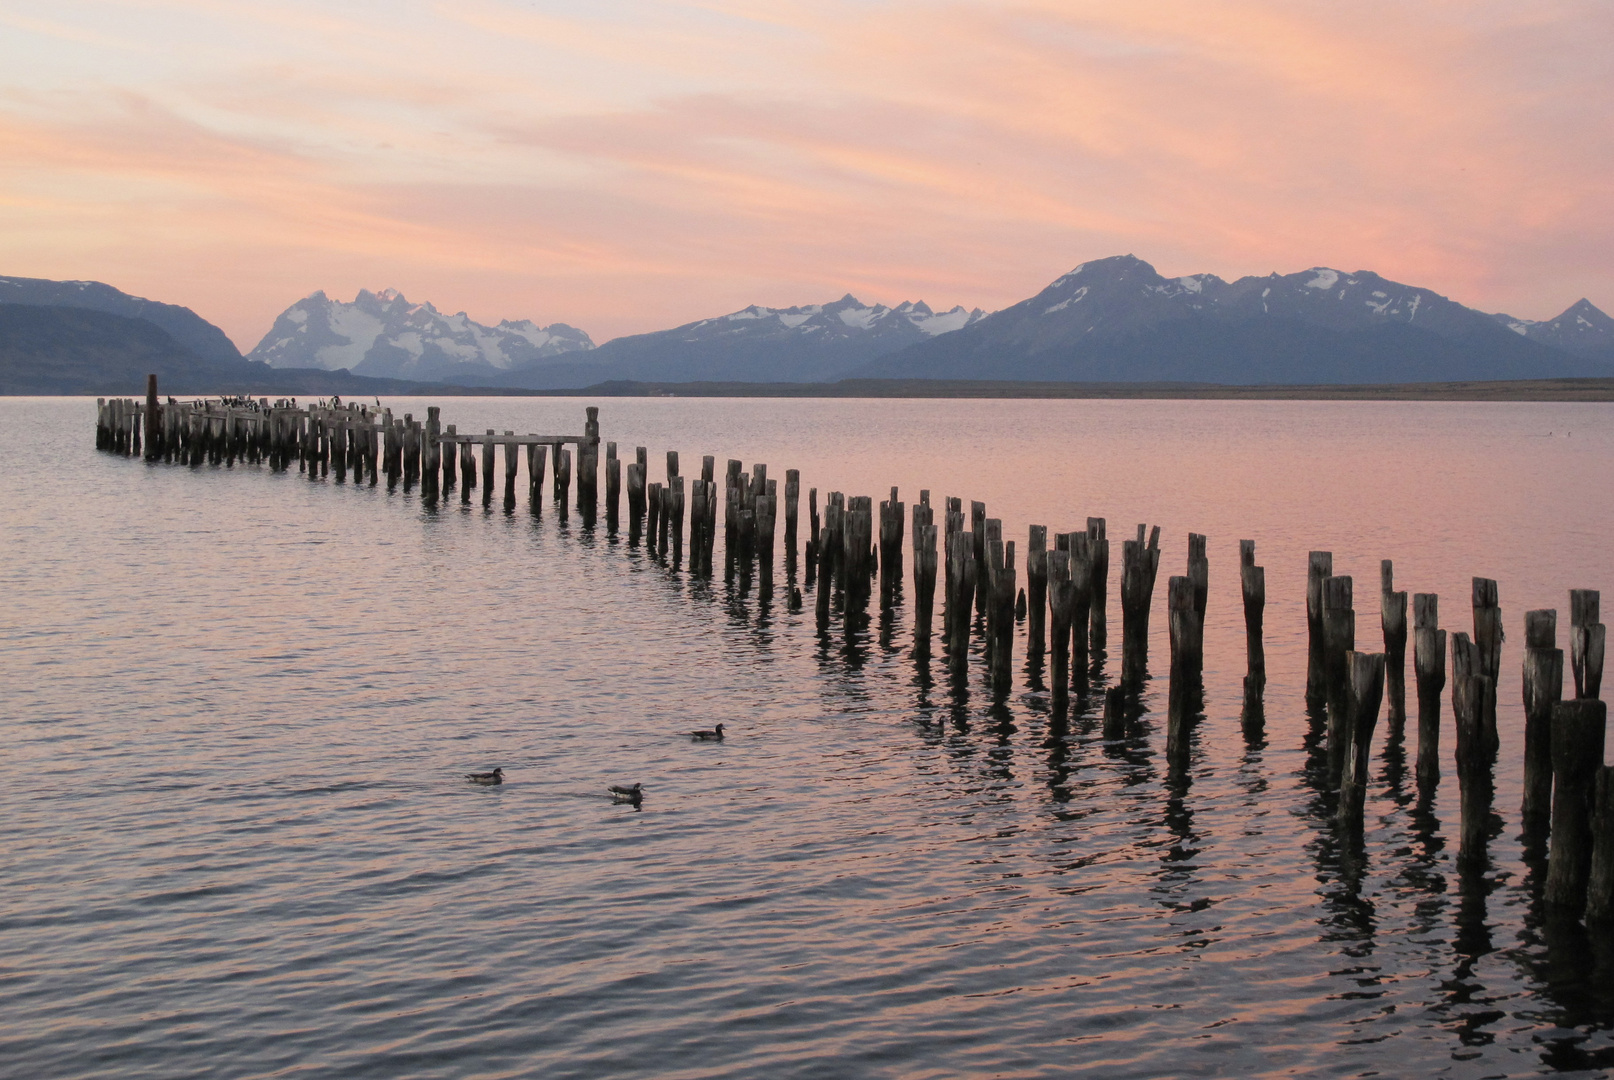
(382, 334)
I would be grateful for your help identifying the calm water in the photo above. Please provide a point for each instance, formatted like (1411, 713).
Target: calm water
(237, 706)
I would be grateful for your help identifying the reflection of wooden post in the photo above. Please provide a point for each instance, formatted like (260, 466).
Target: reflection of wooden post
(1543, 688)
(1577, 754)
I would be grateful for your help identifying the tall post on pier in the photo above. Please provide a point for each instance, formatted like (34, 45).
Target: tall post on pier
(792, 508)
(1187, 634)
(1099, 589)
(1587, 637)
(1139, 565)
(1339, 638)
(1364, 691)
(1036, 590)
(613, 488)
(588, 467)
(1488, 642)
(1319, 568)
(154, 438)
(1578, 732)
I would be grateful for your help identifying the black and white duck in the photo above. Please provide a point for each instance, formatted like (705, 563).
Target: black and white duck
(494, 777)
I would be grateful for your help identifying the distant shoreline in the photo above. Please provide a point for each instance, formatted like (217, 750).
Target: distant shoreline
(1527, 390)
(324, 384)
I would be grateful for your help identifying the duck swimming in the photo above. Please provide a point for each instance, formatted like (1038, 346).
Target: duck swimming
(494, 777)
(633, 795)
(715, 733)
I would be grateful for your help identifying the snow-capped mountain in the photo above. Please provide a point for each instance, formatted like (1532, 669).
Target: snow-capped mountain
(1582, 329)
(383, 334)
(1118, 320)
(813, 343)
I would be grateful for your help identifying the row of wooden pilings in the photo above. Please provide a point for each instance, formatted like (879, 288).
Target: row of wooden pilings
(855, 553)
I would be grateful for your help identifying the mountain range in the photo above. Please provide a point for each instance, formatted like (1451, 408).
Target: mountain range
(383, 334)
(1113, 320)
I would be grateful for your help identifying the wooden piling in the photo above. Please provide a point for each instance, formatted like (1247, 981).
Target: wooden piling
(512, 457)
(1339, 638)
(1253, 584)
(154, 439)
(1543, 688)
(1488, 641)
(1139, 565)
(636, 502)
(1036, 590)
(893, 516)
(1600, 877)
(563, 479)
(588, 467)
(925, 566)
(675, 506)
(1061, 597)
(1365, 691)
(1429, 670)
(1098, 588)
(1187, 652)
(792, 506)
(1393, 621)
(1474, 780)
(613, 489)
(488, 449)
(1319, 568)
(653, 534)
(1577, 755)
(1587, 637)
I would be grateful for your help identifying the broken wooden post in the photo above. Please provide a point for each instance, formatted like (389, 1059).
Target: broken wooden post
(1429, 670)
(489, 445)
(1600, 879)
(1319, 568)
(792, 508)
(613, 488)
(1587, 637)
(1577, 755)
(588, 466)
(1036, 589)
(1253, 583)
(1488, 640)
(1098, 587)
(154, 438)
(1393, 620)
(512, 458)
(1187, 650)
(893, 514)
(925, 566)
(1061, 598)
(563, 479)
(636, 502)
(1364, 691)
(1139, 565)
(1339, 638)
(1474, 781)
(1543, 688)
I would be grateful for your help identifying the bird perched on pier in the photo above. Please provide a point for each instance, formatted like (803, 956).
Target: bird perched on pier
(494, 777)
(702, 736)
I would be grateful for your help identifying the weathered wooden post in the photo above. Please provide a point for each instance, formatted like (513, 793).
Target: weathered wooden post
(1365, 691)
(893, 514)
(636, 502)
(1084, 575)
(1199, 573)
(154, 438)
(1488, 640)
(1587, 637)
(588, 467)
(1001, 560)
(1600, 881)
(1036, 590)
(431, 454)
(1543, 688)
(924, 572)
(653, 534)
(1098, 589)
(792, 505)
(961, 580)
(1253, 583)
(489, 442)
(1061, 599)
(1578, 729)
(1474, 779)
(512, 458)
(676, 505)
(1393, 620)
(1429, 669)
(1339, 638)
(1139, 564)
(564, 478)
(613, 489)
(1319, 568)
(1187, 646)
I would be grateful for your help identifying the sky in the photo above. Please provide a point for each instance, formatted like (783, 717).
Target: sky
(626, 166)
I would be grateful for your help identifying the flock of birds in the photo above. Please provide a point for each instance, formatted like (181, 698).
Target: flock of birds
(632, 795)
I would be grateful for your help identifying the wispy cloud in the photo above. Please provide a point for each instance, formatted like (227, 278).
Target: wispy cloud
(628, 165)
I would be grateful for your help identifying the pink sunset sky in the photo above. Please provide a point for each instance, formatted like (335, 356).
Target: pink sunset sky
(627, 166)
